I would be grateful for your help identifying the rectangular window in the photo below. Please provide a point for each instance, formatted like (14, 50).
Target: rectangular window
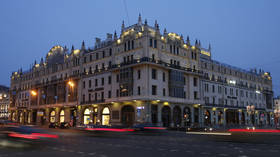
(154, 90)
(95, 96)
(97, 56)
(84, 84)
(89, 97)
(84, 98)
(96, 82)
(154, 74)
(110, 52)
(155, 43)
(103, 54)
(163, 76)
(128, 45)
(139, 74)
(102, 95)
(109, 80)
(109, 94)
(213, 88)
(194, 81)
(139, 90)
(124, 46)
(118, 77)
(195, 95)
(151, 42)
(90, 58)
(163, 91)
(110, 64)
(102, 81)
(132, 44)
(89, 83)
(117, 93)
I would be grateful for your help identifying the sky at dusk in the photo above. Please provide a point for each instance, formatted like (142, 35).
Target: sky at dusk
(242, 33)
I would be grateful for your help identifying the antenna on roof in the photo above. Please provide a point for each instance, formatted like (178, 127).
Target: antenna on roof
(125, 7)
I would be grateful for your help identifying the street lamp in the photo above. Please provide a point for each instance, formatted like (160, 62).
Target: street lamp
(71, 84)
(33, 93)
(250, 110)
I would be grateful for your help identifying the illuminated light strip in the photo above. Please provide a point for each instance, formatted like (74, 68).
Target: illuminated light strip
(209, 133)
(44, 135)
(23, 136)
(109, 129)
(158, 128)
(256, 130)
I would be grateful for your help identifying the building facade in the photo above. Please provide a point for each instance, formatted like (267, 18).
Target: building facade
(4, 102)
(141, 76)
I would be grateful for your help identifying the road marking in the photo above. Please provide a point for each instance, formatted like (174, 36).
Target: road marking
(209, 133)
(91, 153)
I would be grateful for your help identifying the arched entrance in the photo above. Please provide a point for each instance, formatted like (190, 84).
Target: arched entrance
(243, 118)
(14, 116)
(62, 116)
(220, 117)
(165, 116)
(187, 116)
(21, 117)
(52, 116)
(207, 118)
(105, 116)
(177, 116)
(253, 118)
(29, 117)
(128, 115)
(232, 116)
(86, 116)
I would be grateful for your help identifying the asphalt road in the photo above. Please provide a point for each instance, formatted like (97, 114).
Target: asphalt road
(74, 143)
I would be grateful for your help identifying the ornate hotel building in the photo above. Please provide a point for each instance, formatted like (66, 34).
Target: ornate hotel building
(4, 102)
(141, 76)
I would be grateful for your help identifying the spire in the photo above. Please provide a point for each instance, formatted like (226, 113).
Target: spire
(188, 40)
(42, 61)
(181, 36)
(196, 43)
(146, 23)
(72, 48)
(139, 19)
(164, 32)
(209, 48)
(83, 45)
(199, 44)
(122, 26)
(115, 35)
(156, 24)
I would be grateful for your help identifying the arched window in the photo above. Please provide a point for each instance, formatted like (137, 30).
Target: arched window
(52, 117)
(86, 116)
(61, 116)
(105, 116)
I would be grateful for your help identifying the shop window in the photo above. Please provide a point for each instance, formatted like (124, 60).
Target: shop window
(52, 117)
(86, 116)
(105, 116)
(62, 117)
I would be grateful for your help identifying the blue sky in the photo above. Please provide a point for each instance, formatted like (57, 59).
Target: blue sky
(243, 33)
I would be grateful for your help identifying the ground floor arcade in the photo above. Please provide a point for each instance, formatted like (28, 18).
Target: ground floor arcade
(136, 112)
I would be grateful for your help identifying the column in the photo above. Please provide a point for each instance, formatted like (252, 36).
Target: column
(216, 114)
(192, 115)
(201, 116)
(182, 115)
(159, 115)
(171, 116)
(224, 118)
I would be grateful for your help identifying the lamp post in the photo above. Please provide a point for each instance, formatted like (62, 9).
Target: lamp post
(250, 110)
